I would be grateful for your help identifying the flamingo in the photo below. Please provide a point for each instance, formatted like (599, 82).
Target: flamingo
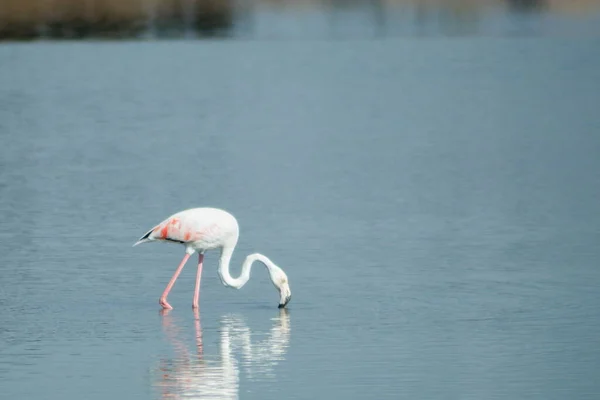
(205, 228)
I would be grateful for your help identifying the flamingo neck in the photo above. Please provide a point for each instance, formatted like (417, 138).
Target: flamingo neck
(244, 277)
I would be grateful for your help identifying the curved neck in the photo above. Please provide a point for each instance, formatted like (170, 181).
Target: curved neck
(237, 283)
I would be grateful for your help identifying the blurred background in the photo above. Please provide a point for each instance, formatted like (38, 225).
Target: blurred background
(134, 19)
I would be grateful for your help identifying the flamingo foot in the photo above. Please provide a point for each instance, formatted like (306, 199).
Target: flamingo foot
(163, 303)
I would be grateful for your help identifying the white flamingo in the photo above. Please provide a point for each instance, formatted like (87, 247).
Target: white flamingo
(202, 229)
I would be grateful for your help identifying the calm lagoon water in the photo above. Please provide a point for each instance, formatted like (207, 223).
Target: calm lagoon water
(433, 201)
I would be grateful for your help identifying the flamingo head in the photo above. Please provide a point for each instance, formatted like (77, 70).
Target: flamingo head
(285, 294)
(281, 282)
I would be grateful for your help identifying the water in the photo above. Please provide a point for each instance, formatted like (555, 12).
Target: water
(434, 203)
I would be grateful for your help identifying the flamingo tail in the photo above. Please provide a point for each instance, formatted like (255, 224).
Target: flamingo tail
(144, 239)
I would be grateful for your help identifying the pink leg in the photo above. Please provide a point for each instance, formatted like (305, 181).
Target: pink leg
(198, 276)
(163, 298)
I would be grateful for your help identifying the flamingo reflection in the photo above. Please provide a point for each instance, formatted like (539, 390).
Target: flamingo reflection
(192, 376)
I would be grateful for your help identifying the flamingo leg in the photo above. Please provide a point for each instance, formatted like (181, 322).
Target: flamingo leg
(198, 276)
(163, 298)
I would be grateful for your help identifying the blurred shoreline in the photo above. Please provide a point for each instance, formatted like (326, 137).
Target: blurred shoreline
(126, 19)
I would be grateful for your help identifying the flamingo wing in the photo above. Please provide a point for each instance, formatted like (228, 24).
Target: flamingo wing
(187, 226)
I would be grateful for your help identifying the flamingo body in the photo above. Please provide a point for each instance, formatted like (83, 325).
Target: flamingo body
(199, 229)
(205, 228)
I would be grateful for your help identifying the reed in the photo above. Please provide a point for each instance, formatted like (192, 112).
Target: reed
(28, 19)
